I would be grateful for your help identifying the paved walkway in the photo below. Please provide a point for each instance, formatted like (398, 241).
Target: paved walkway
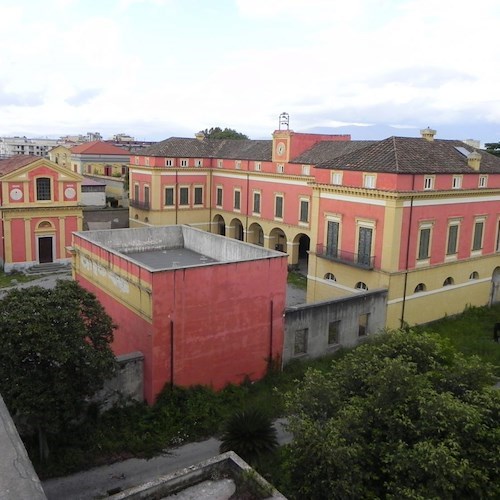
(97, 482)
(45, 281)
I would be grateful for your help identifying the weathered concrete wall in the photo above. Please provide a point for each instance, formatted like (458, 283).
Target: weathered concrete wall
(105, 218)
(18, 479)
(127, 383)
(316, 329)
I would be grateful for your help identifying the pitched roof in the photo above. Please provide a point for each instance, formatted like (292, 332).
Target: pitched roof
(10, 164)
(328, 150)
(98, 148)
(244, 149)
(413, 156)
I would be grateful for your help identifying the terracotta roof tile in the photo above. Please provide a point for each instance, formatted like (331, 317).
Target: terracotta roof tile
(11, 164)
(98, 148)
(328, 150)
(413, 155)
(178, 147)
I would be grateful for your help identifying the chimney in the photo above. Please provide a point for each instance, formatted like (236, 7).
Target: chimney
(474, 160)
(200, 136)
(428, 134)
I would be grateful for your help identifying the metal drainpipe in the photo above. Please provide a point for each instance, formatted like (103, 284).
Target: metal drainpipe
(407, 254)
(176, 193)
(271, 336)
(210, 198)
(171, 354)
(248, 200)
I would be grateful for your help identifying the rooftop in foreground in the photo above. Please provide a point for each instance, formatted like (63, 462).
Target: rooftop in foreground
(172, 247)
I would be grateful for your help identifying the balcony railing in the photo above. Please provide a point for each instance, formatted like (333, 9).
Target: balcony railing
(143, 205)
(353, 259)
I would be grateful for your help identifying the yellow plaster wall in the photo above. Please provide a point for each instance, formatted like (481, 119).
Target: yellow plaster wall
(126, 288)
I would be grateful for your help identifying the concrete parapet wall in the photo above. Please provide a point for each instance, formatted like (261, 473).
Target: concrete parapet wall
(312, 322)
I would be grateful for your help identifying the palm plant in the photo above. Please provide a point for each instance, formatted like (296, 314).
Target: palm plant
(249, 433)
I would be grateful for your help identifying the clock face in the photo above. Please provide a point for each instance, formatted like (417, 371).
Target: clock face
(280, 148)
(70, 193)
(16, 194)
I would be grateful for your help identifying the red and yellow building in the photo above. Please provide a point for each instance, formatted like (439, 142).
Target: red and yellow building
(201, 308)
(418, 216)
(40, 209)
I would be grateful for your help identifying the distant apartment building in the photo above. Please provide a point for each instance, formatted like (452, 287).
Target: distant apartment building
(14, 146)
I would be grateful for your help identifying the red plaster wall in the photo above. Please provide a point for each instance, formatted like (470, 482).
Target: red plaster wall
(18, 240)
(302, 142)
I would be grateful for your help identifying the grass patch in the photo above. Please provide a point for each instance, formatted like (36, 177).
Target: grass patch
(10, 279)
(298, 280)
(471, 333)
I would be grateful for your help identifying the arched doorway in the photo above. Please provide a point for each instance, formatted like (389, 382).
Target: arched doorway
(220, 225)
(255, 234)
(45, 236)
(277, 240)
(237, 229)
(303, 242)
(495, 286)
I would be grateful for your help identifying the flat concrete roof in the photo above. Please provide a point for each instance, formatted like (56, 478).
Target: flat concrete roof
(159, 248)
(170, 257)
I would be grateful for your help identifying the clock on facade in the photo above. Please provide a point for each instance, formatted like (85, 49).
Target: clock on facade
(16, 194)
(70, 193)
(280, 148)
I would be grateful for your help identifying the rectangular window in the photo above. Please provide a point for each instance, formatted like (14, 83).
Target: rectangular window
(257, 166)
(365, 245)
(457, 182)
(136, 160)
(278, 207)
(300, 344)
(219, 163)
(237, 199)
(369, 181)
(306, 169)
(43, 189)
(428, 182)
(498, 236)
(184, 196)
(477, 243)
(198, 163)
(219, 197)
(146, 195)
(333, 332)
(363, 325)
(337, 178)
(146, 160)
(451, 247)
(304, 211)
(169, 162)
(184, 163)
(256, 202)
(237, 164)
(169, 197)
(483, 181)
(424, 243)
(332, 239)
(198, 195)
(280, 168)
(136, 192)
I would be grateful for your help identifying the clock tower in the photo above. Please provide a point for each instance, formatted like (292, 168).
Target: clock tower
(281, 140)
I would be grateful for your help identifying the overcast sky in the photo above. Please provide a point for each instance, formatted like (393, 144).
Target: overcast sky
(160, 68)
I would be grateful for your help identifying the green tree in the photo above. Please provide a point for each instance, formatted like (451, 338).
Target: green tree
(403, 416)
(54, 355)
(227, 133)
(249, 433)
(493, 148)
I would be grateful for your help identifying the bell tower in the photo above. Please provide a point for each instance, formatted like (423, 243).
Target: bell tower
(281, 139)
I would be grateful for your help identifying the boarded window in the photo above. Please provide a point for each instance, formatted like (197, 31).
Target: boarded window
(332, 239)
(363, 325)
(333, 332)
(300, 345)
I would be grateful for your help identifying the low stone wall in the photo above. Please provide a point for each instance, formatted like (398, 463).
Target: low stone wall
(313, 330)
(127, 384)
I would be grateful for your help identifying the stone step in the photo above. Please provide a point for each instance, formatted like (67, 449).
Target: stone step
(49, 267)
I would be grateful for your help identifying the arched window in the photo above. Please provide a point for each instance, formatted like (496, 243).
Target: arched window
(361, 286)
(420, 288)
(43, 189)
(474, 275)
(146, 219)
(448, 281)
(330, 276)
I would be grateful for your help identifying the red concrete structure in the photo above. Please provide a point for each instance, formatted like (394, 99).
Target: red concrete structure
(201, 308)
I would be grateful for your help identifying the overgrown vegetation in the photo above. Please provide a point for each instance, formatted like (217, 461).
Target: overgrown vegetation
(184, 415)
(298, 280)
(11, 279)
